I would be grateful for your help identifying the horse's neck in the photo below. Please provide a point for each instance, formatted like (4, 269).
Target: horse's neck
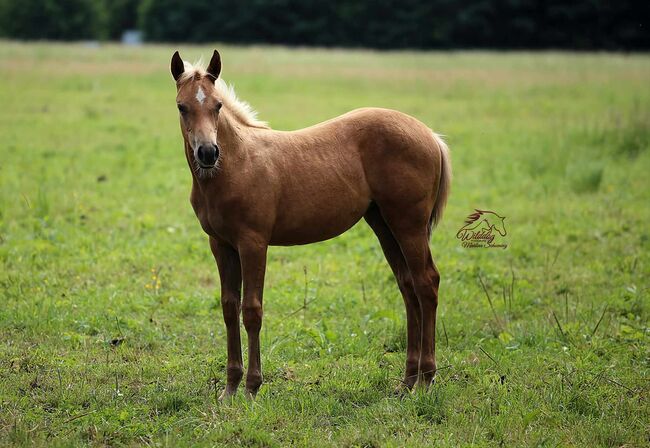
(233, 134)
(228, 128)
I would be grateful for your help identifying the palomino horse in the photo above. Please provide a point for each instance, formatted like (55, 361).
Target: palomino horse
(253, 187)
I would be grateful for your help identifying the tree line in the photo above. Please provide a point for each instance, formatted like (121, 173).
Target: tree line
(382, 24)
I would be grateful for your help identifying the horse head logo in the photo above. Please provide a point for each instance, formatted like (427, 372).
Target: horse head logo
(480, 227)
(486, 219)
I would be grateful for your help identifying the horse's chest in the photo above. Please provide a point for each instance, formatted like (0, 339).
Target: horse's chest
(210, 220)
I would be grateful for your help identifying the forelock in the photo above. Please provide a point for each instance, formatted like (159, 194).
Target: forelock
(192, 72)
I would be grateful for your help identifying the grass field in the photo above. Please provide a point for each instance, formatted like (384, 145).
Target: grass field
(110, 326)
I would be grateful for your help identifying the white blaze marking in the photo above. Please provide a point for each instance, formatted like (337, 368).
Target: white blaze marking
(200, 96)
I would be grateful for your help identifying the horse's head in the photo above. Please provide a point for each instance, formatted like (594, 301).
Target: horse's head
(198, 107)
(498, 223)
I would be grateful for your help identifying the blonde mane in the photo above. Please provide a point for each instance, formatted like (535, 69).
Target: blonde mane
(240, 109)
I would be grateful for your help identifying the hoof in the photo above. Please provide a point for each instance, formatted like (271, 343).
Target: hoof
(410, 379)
(402, 390)
(427, 374)
(227, 394)
(251, 394)
(425, 382)
(253, 383)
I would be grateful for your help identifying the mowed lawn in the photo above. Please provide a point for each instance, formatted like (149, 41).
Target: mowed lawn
(111, 330)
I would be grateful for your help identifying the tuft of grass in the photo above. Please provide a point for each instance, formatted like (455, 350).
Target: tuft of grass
(630, 136)
(585, 177)
(170, 403)
(635, 139)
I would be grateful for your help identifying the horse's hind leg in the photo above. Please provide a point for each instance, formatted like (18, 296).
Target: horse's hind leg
(409, 226)
(397, 263)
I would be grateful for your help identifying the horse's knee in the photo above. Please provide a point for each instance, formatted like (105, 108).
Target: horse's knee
(230, 307)
(252, 317)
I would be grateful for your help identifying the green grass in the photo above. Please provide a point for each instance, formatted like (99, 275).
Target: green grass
(110, 325)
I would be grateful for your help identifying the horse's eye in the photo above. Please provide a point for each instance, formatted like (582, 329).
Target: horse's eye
(218, 106)
(182, 108)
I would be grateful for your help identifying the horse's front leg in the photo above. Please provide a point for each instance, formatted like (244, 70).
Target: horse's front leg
(230, 275)
(253, 264)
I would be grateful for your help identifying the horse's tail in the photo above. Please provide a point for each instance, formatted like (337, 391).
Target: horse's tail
(445, 182)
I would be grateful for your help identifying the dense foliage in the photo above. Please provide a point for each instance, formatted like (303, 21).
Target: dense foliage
(50, 19)
(587, 24)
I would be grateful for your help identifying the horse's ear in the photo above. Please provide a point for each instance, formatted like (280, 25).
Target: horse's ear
(214, 68)
(178, 67)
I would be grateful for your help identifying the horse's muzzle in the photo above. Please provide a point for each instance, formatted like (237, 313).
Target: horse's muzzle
(207, 155)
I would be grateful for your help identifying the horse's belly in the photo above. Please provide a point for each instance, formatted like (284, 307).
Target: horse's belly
(313, 232)
(318, 220)
(323, 194)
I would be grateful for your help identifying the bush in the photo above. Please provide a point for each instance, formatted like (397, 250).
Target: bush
(587, 24)
(526, 24)
(121, 15)
(50, 19)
